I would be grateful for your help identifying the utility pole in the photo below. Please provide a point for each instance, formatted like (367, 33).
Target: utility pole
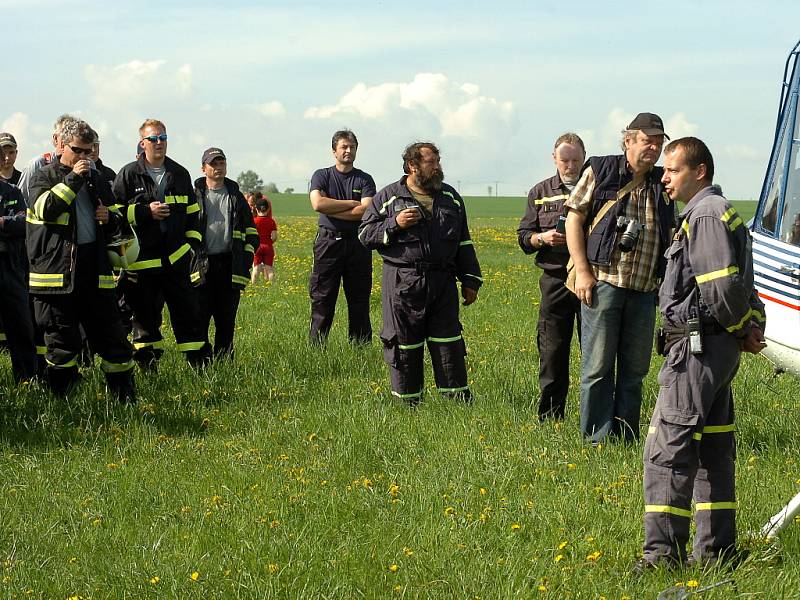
(458, 186)
(495, 189)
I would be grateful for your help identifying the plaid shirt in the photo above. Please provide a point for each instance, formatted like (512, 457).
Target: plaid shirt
(635, 270)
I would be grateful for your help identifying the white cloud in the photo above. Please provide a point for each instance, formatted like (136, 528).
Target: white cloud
(137, 84)
(678, 126)
(16, 124)
(459, 110)
(740, 151)
(606, 140)
(273, 108)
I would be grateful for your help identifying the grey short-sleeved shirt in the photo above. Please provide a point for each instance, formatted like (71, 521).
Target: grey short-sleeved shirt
(84, 212)
(218, 207)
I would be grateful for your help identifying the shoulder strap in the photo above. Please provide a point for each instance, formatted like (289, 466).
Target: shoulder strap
(610, 203)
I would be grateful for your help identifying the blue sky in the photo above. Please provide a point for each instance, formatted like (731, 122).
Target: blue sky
(492, 84)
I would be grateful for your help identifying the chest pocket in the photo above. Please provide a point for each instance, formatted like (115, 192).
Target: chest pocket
(678, 271)
(549, 213)
(448, 222)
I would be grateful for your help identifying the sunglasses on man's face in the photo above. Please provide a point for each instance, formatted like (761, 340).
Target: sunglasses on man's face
(156, 138)
(79, 150)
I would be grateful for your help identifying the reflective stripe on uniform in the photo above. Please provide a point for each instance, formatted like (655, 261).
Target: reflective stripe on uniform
(158, 345)
(249, 248)
(194, 277)
(404, 396)
(132, 214)
(251, 231)
(410, 346)
(240, 279)
(717, 274)
(47, 280)
(41, 350)
(467, 243)
(64, 192)
(105, 282)
(719, 428)
(192, 208)
(238, 235)
(189, 346)
(3, 337)
(453, 390)
(446, 193)
(446, 340)
(551, 199)
(672, 510)
(195, 235)
(176, 256)
(144, 264)
(382, 209)
(31, 217)
(744, 320)
(176, 199)
(70, 363)
(716, 506)
(474, 276)
(685, 227)
(733, 217)
(111, 367)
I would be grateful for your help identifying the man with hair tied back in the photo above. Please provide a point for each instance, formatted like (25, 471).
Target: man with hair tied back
(340, 194)
(618, 227)
(711, 314)
(68, 223)
(159, 201)
(419, 226)
(541, 232)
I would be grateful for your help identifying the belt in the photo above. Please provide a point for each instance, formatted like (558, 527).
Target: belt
(423, 266)
(669, 335)
(339, 234)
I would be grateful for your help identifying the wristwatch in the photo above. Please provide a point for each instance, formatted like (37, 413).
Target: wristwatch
(540, 240)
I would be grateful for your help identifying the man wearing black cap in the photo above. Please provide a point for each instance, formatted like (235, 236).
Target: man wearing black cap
(619, 225)
(160, 205)
(221, 265)
(8, 156)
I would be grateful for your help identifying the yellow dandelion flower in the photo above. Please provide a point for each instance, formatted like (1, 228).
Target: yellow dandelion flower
(516, 527)
(394, 489)
(692, 583)
(482, 491)
(563, 545)
(155, 580)
(594, 556)
(558, 558)
(393, 568)
(449, 511)
(195, 576)
(273, 568)
(571, 465)
(73, 560)
(408, 551)
(398, 589)
(542, 588)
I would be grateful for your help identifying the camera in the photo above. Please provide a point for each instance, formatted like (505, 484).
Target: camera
(630, 229)
(561, 224)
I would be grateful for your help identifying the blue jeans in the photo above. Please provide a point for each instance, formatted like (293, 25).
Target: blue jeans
(616, 335)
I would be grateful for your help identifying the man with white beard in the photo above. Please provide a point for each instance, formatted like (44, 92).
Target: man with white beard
(541, 232)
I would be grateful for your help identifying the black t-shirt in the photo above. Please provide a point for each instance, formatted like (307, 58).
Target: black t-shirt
(353, 185)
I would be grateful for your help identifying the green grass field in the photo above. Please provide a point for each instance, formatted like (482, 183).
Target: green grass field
(290, 473)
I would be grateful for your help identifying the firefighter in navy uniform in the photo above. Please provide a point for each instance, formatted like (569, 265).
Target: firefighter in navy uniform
(711, 313)
(70, 275)
(158, 196)
(419, 226)
(13, 273)
(541, 232)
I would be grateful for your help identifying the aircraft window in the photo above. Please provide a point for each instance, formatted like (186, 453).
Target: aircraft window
(769, 217)
(790, 220)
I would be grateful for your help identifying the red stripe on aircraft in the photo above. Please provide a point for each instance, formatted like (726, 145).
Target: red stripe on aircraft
(777, 301)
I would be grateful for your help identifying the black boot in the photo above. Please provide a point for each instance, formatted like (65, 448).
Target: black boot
(62, 380)
(122, 386)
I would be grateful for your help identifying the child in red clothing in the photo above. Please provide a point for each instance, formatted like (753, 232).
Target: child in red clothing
(268, 235)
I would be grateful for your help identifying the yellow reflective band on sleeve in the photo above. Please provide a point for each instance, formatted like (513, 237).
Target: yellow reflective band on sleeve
(757, 316)
(716, 505)
(382, 209)
(719, 428)
(194, 277)
(741, 323)
(251, 231)
(176, 199)
(474, 276)
(41, 280)
(159, 345)
(685, 227)
(249, 248)
(551, 199)
(411, 346)
(716, 274)
(105, 282)
(66, 365)
(446, 340)
(673, 510)
(192, 208)
(195, 235)
(144, 264)
(238, 235)
(467, 243)
(3, 337)
(404, 396)
(452, 390)
(189, 346)
(30, 217)
(110, 367)
(63, 191)
(116, 207)
(446, 193)
(178, 254)
(240, 279)
(733, 217)
(131, 214)
(385, 238)
(41, 350)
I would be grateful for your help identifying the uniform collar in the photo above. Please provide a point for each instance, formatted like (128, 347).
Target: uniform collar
(709, 190)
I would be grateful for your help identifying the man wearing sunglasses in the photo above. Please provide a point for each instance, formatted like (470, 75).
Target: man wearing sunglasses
(160, 205)
(68, 223)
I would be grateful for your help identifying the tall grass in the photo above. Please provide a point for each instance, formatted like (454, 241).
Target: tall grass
(291, 473)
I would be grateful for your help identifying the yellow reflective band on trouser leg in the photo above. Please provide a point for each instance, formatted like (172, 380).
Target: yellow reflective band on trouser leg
(695, 436)
(105, 282)
(67, 365)
(159, 345)
(453, 390)
(189, 346)
(405, 396)
(672, 510)
(410, 346)
(38, 280)
(446, 340)
(41, 350)
(716, 506)
(111, 367)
